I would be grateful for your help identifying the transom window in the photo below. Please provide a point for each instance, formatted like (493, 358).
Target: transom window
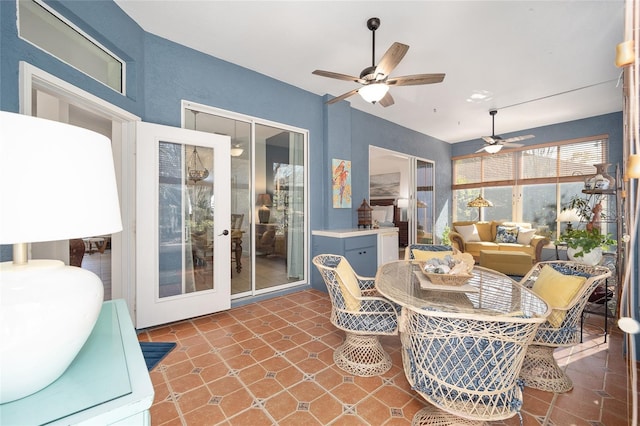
(43, 27)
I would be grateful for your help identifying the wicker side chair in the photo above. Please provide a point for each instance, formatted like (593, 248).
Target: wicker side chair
(466, 365)
(361, 314)
(408, 251)
(540, 369)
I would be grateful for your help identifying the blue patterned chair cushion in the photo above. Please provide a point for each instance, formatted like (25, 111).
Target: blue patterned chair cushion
(569, 271)
(443, 365)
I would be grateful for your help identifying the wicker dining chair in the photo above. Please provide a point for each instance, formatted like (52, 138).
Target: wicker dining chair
(410, 255)
(466, 365)
(540, 369)
(361, 314)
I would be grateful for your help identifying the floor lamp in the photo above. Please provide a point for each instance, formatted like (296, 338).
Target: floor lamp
(479, 202)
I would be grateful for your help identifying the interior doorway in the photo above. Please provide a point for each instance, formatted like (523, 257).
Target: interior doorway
(110, 256)
(408, 180)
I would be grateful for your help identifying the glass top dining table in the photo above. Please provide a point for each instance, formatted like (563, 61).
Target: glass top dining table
(487, 292)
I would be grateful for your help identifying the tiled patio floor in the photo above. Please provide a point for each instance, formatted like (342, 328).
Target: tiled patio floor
(271, 363)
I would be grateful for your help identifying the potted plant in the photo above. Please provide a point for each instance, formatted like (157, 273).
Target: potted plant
(586, 245)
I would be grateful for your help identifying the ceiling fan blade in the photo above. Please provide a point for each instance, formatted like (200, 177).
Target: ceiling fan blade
(341, 97)
(490, 139)
(512, 145)
(414, 80)
(391, 59)
(338, 76)
(518, 138)
(387, 100)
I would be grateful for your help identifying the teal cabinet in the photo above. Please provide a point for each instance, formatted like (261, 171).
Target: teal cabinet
(107, 383)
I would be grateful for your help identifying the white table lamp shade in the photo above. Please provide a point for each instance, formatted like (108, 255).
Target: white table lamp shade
(46, 193)
(569, 215)
(48, 309)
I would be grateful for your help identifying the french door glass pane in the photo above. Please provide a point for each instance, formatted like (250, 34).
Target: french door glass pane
(185, 219)
(271, 233)
(280, 195)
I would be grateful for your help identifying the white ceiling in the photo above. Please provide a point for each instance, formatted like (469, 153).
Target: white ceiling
(538, 62)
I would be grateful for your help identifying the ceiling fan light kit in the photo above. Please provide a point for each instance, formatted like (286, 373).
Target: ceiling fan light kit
(373, 92)
(493, 149)
(375, 79)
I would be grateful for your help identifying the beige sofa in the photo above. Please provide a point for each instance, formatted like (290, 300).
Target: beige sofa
(529, 242)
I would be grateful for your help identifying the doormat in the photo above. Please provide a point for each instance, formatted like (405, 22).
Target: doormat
(154, 352)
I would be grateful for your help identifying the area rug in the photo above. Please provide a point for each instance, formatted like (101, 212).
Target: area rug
(154, 352)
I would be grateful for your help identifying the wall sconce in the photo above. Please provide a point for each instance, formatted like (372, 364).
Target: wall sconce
(633, 166)
(44, 303)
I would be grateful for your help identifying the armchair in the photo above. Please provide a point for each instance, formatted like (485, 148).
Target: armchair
(361, 314)
(466, 366)
(566, 288)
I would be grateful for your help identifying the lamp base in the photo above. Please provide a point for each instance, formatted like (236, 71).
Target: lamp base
(47, 312)
(263, 214)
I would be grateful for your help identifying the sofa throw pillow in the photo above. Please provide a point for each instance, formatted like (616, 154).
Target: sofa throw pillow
(484, 230)
(469, 233)
(505, 234)
(557, 290)
(525, 236)
(348, 285)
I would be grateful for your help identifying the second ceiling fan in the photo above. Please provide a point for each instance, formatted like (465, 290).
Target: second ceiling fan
(495, 143)
(375, 79)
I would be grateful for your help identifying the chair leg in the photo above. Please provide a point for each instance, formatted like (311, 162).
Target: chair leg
(431, 415)
(362, 356)
(540, 370)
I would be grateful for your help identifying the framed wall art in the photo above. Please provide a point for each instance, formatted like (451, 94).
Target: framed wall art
(341, 183)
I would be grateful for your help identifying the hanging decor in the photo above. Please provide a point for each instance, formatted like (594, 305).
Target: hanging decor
(196, 174)
(341, 183)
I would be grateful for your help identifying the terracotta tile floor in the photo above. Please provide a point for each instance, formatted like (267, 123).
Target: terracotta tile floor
(270, 363)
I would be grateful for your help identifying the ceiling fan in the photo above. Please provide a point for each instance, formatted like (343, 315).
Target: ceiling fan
(375, 80)
(495, 143)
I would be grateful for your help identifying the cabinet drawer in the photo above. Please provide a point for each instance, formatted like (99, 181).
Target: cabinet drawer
(355, 243)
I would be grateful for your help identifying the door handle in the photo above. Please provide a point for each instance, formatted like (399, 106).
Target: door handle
(225, 232)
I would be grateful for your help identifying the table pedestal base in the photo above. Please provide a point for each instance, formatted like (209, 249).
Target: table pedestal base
(431, 415)
(540, 370)
(362, 356)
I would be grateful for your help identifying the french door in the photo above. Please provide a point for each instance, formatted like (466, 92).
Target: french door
(183, 260)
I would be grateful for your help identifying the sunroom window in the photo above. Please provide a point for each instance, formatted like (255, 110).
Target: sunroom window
(530, 184)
